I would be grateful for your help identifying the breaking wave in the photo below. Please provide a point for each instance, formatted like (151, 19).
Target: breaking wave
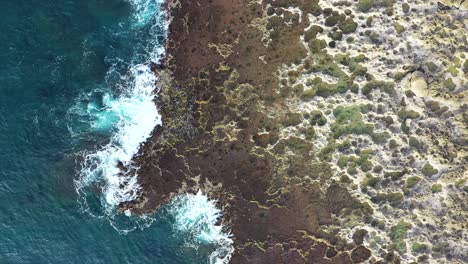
(199, 220)
(125, 109)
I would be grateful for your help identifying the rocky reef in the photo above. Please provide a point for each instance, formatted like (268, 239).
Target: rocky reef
(329, 131)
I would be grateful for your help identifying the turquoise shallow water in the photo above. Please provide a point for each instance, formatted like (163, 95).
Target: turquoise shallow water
(64, 66)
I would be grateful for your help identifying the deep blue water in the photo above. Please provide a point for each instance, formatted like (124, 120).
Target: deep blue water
(56, 59)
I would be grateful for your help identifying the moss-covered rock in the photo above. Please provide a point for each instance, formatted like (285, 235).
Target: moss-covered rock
(365, 5)
(326, 153)
(381, 137)
(415, 143)
(348, 25)
(366, 165)
(334, 19)
(336, 35)
(388, 120)
(312, 33)
(358, 236)
(292, 119)
(399, 28)
(405, 114)
(431, 66)
(449, 84)
(317, 44)
(434, 106)
(345, 145)
(357, 69)
(309, 132)
(377, 169)
(405, 7)
(399, 76)
(370, 180)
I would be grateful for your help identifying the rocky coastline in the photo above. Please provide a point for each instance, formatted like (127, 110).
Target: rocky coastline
(328, 131)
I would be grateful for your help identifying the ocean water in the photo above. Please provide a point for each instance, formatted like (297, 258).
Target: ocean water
(76, 98)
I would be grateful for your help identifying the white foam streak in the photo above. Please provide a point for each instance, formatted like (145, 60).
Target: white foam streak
(199, 217)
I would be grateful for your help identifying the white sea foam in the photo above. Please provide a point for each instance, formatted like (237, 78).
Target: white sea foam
(137, 116)
(144, 10)
(198, 218)
(131, 116)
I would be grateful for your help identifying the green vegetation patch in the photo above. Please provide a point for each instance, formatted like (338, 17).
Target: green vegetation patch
(348, 25)
(297, 145)
(353, 162)
(370, 181)
(398, 234)
(353, 63)
(404, 114)
(342, 161)
(415, 143)
(387, 87)
(317, 118)
(412, 181)
(312, 33)
(428, 170)
(325, 64)
(326, 152)
(436, 188)
(393, 198)
(345, 145)
(419, 247)
(349, 121)
(395, 175)
(367, 5)
(316, 45)
(324, 89)
(381, 137)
